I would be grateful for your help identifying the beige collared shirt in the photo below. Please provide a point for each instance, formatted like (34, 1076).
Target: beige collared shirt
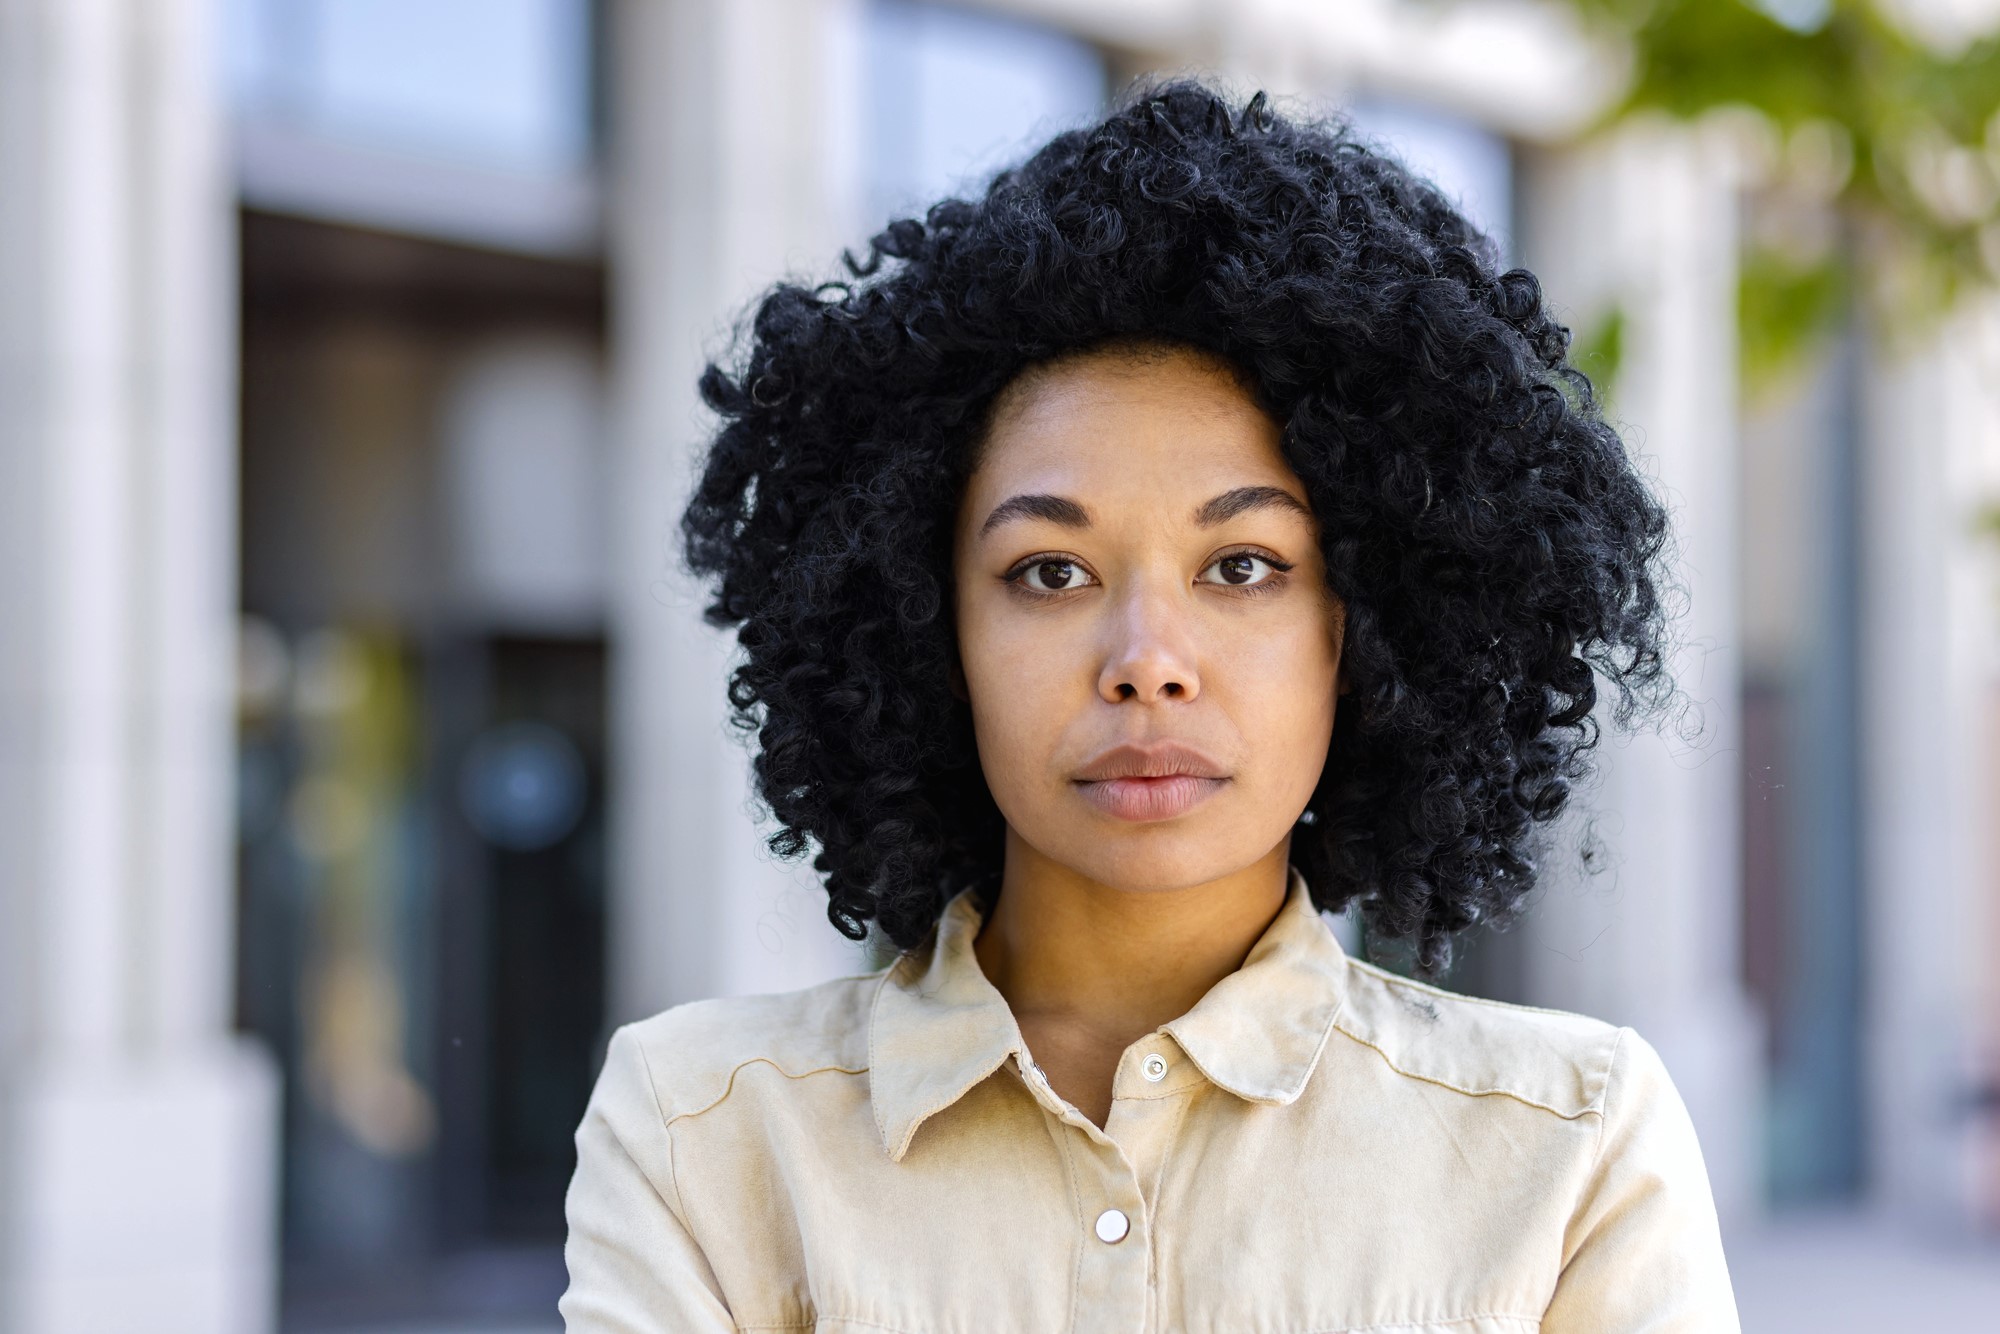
(1317, 1146)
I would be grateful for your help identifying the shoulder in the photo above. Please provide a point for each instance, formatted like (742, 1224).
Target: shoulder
(1553, 1059)
(688, 1056)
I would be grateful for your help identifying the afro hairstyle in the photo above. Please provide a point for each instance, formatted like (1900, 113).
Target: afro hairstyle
(1496, 550)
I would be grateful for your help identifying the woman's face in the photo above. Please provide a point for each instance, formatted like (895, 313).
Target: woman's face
(1149, 648)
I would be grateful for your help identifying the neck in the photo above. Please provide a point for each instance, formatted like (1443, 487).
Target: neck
(1111, 965)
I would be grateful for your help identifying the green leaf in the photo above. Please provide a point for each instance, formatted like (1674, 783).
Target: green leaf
(1784, 312)
(1599, 351)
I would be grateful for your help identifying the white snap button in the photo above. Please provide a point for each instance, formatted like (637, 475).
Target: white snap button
(1112, 1225)
(1154, 1068)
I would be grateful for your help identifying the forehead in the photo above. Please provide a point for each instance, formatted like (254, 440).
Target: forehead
(1132, 425)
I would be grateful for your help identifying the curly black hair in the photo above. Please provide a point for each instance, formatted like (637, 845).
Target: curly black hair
(1494, 546)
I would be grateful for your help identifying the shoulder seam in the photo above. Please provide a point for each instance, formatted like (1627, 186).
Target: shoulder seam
(678, 1205)
(870, 975)
(1603, 1099)
(1523, 1098)
(1603, 1109)
(1396, 979)
(874, 1102)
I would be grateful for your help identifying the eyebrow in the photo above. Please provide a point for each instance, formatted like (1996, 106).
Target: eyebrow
(1050, 509)
(1245, 499)
(1067, 513)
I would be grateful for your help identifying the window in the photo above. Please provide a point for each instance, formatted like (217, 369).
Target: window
(459, 119)
(952, 95)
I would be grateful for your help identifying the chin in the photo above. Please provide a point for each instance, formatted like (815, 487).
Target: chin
(1157, 859)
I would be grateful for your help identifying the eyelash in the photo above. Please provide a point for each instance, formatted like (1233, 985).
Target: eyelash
(1272, 584)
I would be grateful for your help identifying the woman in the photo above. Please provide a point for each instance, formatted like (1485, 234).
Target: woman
(1192, 535)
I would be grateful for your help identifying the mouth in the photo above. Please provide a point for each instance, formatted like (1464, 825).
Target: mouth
(1144, 800)
(1150, 782)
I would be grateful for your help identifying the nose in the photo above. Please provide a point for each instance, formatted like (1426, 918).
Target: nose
(1150, 647)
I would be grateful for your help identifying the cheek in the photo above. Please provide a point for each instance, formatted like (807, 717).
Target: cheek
(1021, 679)
(1282, 689)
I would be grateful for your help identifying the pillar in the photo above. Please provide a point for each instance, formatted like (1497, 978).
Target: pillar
(735, 162)
(138, 1140)
(1930, 658)
(1644, 222)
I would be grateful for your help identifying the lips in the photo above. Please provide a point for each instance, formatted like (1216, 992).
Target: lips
(1145, 783)
(1158, 759)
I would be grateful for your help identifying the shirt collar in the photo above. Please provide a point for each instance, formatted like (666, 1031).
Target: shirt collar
(1259, 1031)
(939, 1026)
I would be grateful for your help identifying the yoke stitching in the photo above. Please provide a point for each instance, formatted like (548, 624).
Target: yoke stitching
(1523, 1098)
(745, 1064)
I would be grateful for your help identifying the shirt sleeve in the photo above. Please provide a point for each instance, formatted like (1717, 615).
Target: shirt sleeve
(634, 1266)
(1644, 1250)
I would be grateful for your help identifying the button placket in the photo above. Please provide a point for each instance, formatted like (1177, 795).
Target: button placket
(1115, 1274)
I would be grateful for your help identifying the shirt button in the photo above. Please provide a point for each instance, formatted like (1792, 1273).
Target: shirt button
(1112, 1225)
(1154, 1068)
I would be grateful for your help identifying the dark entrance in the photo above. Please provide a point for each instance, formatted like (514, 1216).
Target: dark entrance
(422, 838)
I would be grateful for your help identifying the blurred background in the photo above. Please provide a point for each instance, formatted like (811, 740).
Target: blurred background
(362, 756)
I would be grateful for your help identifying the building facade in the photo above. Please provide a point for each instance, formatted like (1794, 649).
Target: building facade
(364, 757)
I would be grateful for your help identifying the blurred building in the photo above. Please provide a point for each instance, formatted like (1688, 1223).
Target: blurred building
(363, 757)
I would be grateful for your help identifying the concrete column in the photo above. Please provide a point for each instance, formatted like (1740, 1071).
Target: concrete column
(1644, 223)
(137, 1139)
(735, 162)
(1930, 464)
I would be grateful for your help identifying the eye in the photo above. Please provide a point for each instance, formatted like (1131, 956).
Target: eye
(1241, 569)
(1049, 574)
